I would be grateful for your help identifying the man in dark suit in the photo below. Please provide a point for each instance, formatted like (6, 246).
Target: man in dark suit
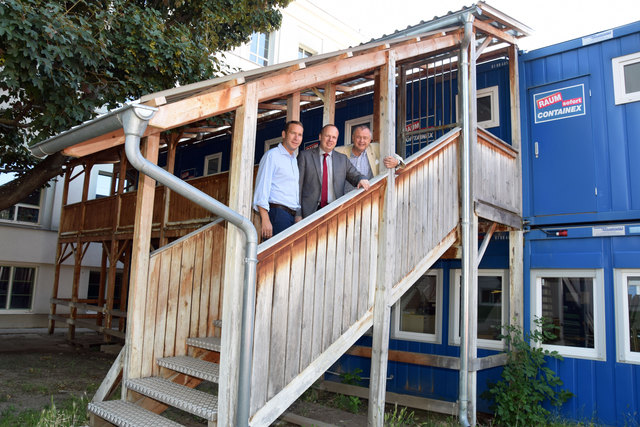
(323, 173)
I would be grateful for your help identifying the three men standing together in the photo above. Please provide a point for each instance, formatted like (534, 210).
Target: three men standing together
(288, 190)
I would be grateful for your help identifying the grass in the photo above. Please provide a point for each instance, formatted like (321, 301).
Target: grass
(72, 412)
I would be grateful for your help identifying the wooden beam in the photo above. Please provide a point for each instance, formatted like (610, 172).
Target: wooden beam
(309, 98)
(240, 196)
(490, 30)
(280, 107)
(483, 46)
(386, 247)
(375, 131)
(140, 265)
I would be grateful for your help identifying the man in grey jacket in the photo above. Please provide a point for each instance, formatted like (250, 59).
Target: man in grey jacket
(323, 173)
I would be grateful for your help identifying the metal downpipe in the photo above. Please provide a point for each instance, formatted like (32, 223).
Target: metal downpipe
(467, 219)
(134, 122)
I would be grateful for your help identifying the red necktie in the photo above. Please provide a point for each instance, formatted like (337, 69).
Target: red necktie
(325, 182)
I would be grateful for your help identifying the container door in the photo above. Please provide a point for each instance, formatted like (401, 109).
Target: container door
(562, 153)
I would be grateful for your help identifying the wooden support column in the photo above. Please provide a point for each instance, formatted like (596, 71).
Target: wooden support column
(56, 279)
(386, 250)
(329, 113)
(376, 132)
(516, 238)
(140, 265)
(103, 280)
(240, 197)
(171, 164)
(293, 107)
(401, 145)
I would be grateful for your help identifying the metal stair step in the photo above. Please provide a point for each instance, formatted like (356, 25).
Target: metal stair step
(195, 402)
(207, 343)
(202, 369)
(127, 414)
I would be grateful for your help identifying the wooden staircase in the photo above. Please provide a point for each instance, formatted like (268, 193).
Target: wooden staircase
(314, 292)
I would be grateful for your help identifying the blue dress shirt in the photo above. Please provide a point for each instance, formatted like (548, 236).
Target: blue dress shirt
(278, 180)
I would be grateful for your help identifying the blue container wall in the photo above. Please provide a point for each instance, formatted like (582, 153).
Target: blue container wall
(593, 156)
(424, 381)
(605, 391)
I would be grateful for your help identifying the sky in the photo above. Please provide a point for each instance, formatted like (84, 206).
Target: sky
(552, 21)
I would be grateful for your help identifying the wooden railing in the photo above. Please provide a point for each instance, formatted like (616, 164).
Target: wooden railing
(316, 282)
(184, 297)
(496, 174)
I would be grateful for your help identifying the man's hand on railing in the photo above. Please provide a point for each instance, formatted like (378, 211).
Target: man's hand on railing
(363, 183)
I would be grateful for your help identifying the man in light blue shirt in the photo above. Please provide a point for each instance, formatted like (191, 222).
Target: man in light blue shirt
(277, 196)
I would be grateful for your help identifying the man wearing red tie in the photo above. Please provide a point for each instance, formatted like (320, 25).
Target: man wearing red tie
(323, 173)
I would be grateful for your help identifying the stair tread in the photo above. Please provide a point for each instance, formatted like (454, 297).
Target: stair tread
(207, 343)
(187, 399)
(198, 368)
(127, 414)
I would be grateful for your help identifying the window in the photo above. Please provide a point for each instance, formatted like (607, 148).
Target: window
(16, 287)
(93, 288)
(573, 301)
(417, 315)
(487, 107)
(213, 164)
(103, 184)
(303, 52)
(492, 309)
(28, 210)
(627, 291)
(626, 78)
(259, 49)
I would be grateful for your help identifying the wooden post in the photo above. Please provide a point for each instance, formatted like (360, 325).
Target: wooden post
(386, 250)
(240, 198)
(140, 265)
(516, 238)
(171, 164)
(56, 279)
(401, 146)
(103, 280)
(376, 132)
(293, 107)
(329, 113)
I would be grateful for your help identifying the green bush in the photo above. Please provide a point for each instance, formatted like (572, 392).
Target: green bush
(526, 382)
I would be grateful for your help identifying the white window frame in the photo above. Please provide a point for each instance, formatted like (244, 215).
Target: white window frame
(9, 291)
(492, 92)
(623, 347)
(306, 50)
(206, 170)
(618, 64)
(349, 125)
(455, 276)
(598, 352)
(17, 207)
(435, 338)
(258, 57)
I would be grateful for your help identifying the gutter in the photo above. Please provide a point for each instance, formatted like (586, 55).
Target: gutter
(134, 119)
(467, 220)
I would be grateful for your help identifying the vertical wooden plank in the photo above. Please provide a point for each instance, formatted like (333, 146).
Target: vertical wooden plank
(339, 285)
(183, 320)
(516, 249)
(172, 301)
(279, 321)
(348, 271)
(357, 263)
(262, 333)
(194, 327)
(433, 205)
(140, 264)
(148, 359)
(376, 218)
(240, 195)
(424, 209)
(514, 104)
(329, 284)
(296, 307)
(365, 253)
(318, 299)
(205, 287)
(308, 301)
(386, 249)
(216, 292)
(161, 305)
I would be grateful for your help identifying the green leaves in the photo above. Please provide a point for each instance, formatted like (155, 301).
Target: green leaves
(526, 382)
(61, 61)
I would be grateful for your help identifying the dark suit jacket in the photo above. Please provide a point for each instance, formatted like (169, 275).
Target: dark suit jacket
(310, 177)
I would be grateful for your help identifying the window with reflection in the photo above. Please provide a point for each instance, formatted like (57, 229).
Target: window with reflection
(417, 315)
(16, 287)
(27, 210)
(627, 294)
